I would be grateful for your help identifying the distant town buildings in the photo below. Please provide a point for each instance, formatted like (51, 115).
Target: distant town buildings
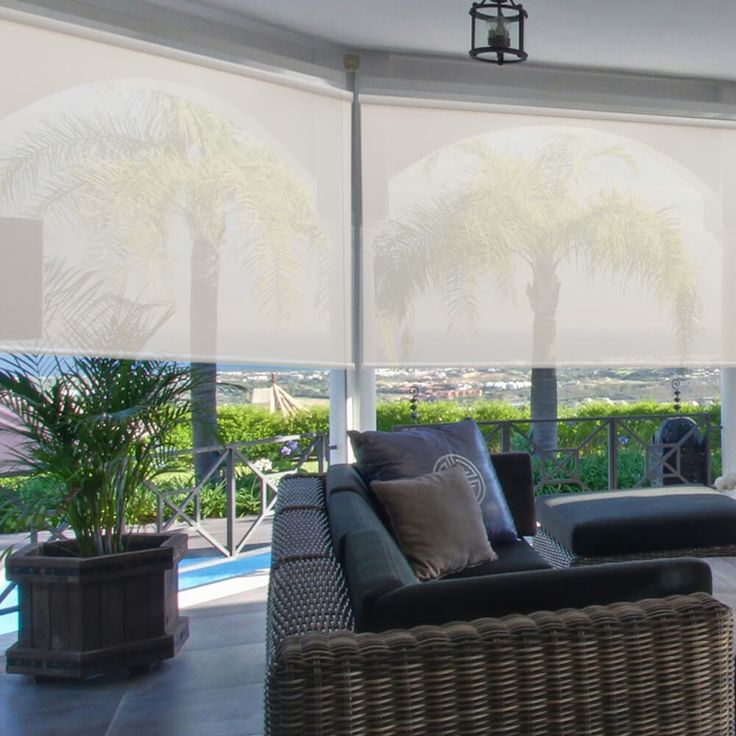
(511, 385)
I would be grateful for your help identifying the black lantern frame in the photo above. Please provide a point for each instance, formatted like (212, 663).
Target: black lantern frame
(504, 39)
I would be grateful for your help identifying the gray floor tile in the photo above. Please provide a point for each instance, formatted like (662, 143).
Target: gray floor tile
(227, 630)
(204, 669)
(7, 640)
(252, 601)
(236, 710)
(78, 716)
(23, 695)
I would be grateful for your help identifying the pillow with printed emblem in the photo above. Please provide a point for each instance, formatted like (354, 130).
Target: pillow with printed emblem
(415, 451)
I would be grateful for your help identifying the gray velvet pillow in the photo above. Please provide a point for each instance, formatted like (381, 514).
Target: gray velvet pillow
(418, 450)
(436, 521)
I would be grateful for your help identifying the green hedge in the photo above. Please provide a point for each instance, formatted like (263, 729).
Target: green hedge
(390, 414)
(247, 423)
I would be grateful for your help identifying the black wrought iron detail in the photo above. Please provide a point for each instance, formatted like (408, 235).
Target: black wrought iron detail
(676, 392)
(564, 468)
(414, 404)
(491, 39)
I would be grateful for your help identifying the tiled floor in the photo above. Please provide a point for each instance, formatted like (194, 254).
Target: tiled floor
(214, 687)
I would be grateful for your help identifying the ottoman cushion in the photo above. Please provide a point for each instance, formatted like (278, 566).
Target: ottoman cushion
(639, 520)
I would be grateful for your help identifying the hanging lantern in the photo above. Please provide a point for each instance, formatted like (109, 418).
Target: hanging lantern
(497, 31)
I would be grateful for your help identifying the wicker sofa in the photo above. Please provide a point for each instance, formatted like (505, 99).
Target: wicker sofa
(482, 658)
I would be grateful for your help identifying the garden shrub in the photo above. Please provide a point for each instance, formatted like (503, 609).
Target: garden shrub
(247, 423)
(27, 502)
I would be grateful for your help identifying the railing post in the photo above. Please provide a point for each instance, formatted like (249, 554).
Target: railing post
(320, 448)
(197, 499)
(612, 454)
(230, 502)
(506, 436)
(264, 496)
(159, 513)
(706, 448)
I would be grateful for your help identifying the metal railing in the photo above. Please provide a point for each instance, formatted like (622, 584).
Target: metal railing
(593, 453)
(624, 446)
(232, 466)
(185, 504)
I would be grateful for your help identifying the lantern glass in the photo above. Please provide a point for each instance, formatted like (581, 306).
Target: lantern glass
(498, 31)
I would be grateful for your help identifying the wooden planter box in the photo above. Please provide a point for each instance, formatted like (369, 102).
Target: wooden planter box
(85, 616)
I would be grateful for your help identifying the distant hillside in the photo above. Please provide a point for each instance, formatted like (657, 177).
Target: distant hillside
(465, 385)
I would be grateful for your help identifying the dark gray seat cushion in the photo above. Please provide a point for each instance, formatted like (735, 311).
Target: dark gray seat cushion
(641, 520)
(515, 557)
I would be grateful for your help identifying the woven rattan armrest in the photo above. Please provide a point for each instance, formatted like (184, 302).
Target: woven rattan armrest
(660, 666)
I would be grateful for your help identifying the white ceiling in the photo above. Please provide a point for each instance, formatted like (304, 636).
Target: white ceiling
(677, 37)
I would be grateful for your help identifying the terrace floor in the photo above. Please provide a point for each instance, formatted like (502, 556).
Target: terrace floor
(214, 687)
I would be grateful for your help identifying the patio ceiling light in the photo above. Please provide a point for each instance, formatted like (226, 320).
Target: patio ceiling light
(497, 31)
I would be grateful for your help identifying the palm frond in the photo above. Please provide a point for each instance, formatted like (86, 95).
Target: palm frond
(282, 236)
(622, 237)
(507, 209)
(99, 427)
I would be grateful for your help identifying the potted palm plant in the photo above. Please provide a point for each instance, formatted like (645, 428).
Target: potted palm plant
(96, 429)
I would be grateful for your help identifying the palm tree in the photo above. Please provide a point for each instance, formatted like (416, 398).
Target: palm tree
(462, 239)
(125, 171)
(96, 429)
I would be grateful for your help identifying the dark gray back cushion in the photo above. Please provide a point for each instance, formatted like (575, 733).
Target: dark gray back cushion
(514, 471)
(373, 566)
(420, 450)
(343, 477)
(349, 512)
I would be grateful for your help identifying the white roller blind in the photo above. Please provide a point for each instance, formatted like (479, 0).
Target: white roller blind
(169, 207)
(496, 237)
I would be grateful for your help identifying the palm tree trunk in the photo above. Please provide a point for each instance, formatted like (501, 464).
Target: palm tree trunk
(543, 294)
(204, 279)
(204, 416)
(544, 406)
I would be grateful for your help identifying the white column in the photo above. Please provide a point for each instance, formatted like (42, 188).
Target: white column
(352, 406)
(340, 409)
(353, 391)
(728, 419)
(364, 414)
(728, 347)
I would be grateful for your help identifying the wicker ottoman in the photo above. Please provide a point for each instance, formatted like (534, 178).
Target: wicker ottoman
(642, 523)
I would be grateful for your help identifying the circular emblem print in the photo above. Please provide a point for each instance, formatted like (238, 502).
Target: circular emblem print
(471, 472)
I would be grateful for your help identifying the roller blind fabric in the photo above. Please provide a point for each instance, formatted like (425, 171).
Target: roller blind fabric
(496, 237)
(154, 206)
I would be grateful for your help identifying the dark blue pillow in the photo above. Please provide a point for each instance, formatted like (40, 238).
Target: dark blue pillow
(416, 451)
